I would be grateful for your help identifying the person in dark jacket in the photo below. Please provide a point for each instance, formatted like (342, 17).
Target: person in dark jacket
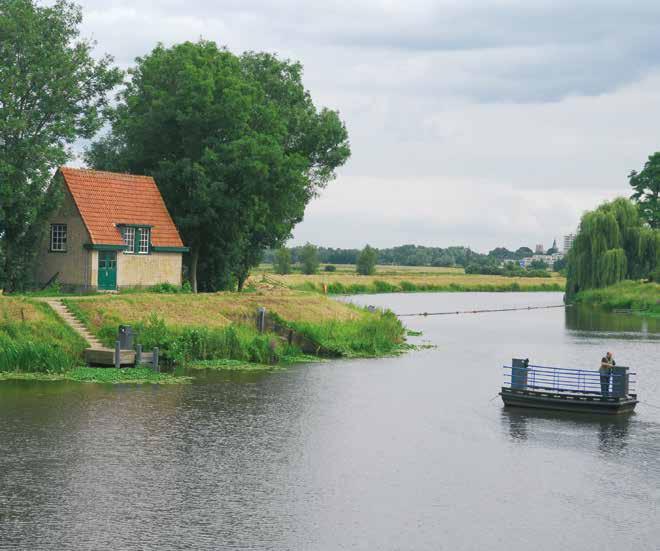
(606, 365)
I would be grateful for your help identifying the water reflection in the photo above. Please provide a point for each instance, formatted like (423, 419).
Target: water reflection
(568, 429)
(587, 320)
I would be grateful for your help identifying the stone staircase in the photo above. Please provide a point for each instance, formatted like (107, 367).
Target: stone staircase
(62, 311)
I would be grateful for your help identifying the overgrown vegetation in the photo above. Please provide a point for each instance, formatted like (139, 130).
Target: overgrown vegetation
(641, 298)
(107, 375)
(375, 334)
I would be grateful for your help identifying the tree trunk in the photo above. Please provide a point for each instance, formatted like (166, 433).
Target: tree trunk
(194, 259)
(9, 267)
(241, 277)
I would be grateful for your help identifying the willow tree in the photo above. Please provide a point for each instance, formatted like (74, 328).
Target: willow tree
(612, 244)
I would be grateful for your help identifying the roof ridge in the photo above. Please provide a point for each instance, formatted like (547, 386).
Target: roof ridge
(106, 173)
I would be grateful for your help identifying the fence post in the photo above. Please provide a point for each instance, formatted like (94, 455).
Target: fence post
(138, 355)
(117, 354)
(261, 319)
(154, 361)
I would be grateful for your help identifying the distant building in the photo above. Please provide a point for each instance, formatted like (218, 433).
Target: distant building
(539, 249)
(568, 242)
(549, 259)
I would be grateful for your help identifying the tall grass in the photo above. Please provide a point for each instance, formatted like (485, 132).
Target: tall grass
(44, 345)
(185, 344)
(381, 286)
(370, 335)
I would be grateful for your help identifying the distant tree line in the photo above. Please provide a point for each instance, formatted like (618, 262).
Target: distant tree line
(410, 255)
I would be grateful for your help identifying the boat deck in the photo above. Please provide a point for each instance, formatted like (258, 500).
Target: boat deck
(577, 390)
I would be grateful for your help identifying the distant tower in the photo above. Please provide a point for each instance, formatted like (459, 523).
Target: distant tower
(568, 241)
(539, 249)
(554, 244)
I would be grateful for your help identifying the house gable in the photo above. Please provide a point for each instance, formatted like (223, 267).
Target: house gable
(108, 201)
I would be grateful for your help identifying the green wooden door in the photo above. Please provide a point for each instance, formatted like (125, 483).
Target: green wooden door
(107, 270)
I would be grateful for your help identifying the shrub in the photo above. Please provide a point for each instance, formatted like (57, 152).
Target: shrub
(330, 268)
(166, 288)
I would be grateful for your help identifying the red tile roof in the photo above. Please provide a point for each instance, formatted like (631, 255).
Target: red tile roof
(106, 199)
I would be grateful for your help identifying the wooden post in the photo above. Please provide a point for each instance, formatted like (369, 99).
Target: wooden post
(261, 319)
(138, 355)
(154, 361)
(117, 354)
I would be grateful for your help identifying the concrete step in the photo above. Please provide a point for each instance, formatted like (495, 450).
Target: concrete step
(60, 308)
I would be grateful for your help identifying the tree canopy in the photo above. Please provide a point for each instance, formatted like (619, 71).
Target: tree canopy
(236, 145)
(366, 262)
(646, 186)
(309, 259)
(612, 244)
(282, 262)
(52, 92)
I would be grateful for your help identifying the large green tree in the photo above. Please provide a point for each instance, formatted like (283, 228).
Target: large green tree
(646, 186)
(612, 244)
(366, 262)
(51, 93)
(309, 259)
(236, 145)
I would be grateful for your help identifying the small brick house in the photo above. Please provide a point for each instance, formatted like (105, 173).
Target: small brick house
(111, 231)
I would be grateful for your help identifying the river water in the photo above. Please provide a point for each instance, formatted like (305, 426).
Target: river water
(412, 452)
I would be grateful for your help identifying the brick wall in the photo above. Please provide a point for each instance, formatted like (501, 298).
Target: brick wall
(144, 270)
(74, 265)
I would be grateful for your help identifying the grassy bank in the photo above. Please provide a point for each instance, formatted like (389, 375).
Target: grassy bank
(33, 339)
(394, 279)
(211, 331)
(35, 344)
(221, 326)
(639, 298)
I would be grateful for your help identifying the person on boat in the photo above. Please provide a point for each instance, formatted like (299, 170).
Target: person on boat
(606, 365)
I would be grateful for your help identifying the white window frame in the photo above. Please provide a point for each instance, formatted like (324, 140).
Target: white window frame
(145, 238)
(58, 238)
(128, 234)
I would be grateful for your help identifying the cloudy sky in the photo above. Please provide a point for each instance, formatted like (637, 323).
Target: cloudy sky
(479, 123)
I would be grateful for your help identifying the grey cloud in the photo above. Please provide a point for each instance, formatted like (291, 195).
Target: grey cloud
(530, 112)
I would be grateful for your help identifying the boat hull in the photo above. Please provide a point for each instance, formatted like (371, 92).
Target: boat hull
(565, 401)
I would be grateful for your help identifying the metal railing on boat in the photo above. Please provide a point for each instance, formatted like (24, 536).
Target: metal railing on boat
(520, 375)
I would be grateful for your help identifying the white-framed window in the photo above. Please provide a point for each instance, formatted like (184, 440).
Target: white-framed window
(58, 238)
(145, 234)
(128, 233)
